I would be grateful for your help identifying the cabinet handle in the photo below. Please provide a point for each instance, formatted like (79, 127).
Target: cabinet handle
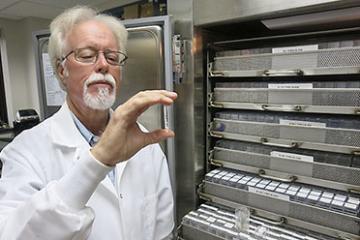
(216, 163)
(201, 194)
(263, 174)
(343, 237)
(357, 111)
(354, 191)
(212, 134)
(211, 102)
(211, 154)
(281, 220)
(216, 135)
(216, 105)
(214, 73)
(178, 232)
(357, 153)
(292, 72)
(212, 161)
(265, 141)
(296, 108)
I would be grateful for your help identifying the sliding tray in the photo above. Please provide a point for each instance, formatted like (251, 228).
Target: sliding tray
(342, 57)
(318, 132)
(316, 96)
(309, 165)
(305, 202)
(216, 222)
(212, 222)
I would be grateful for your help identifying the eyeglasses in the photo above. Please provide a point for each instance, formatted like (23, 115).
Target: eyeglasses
(90, 56)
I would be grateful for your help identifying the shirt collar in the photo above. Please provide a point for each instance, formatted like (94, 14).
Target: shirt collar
(86, 133)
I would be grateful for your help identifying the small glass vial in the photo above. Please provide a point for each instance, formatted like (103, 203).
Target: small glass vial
(242, 219)
(261, 232)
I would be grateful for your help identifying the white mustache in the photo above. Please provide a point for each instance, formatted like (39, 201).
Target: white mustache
(108, 78)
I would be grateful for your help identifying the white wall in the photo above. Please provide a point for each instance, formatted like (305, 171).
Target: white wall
(21, 78)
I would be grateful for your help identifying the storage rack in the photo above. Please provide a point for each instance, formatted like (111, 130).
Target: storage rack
(283, 136)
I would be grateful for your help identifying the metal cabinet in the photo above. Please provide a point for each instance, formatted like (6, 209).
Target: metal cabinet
(283, 138)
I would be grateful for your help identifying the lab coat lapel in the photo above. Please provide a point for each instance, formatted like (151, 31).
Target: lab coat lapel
(114, 188)
(107, 184)
(63, 130)
(119, 171)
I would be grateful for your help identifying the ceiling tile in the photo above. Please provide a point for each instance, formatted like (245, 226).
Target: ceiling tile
(68, 3)
(18, 9)
(7, 3)
(29, 9)
(12, 17)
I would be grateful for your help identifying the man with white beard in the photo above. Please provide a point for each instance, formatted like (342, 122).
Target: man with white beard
(104, 98)
(88, 172)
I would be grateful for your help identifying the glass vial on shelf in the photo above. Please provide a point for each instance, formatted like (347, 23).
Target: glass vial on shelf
(242, 219)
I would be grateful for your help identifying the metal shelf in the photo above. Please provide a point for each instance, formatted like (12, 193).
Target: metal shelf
(279, 204)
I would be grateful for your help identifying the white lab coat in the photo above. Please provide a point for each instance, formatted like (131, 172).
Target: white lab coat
(49, 189)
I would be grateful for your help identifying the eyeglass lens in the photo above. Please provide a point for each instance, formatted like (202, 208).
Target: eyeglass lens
(90, 55)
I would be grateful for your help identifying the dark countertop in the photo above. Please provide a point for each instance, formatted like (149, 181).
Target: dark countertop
(4, 142)
(6, 136)
(4, 130)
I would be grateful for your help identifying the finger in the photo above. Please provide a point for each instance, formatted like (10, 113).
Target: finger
(157, 136)
(139, 103)
(164, 92)
(158, 96)
(172, 95)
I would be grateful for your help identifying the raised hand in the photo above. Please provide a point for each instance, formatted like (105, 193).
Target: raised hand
(122, 137)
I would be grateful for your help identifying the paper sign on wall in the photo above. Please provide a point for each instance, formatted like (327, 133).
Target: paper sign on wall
(55, 96)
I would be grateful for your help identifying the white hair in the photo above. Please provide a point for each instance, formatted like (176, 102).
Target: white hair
(64, 23)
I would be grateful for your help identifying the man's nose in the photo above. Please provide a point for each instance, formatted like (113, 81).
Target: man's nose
(101, 64)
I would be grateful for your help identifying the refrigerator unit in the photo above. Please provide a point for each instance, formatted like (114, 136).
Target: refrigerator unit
(280, 115)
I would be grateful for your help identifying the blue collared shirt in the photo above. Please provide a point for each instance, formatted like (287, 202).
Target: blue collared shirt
(89, 136)
(92, 139)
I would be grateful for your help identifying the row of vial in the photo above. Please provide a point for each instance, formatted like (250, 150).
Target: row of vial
(240, 225)
(307, 194)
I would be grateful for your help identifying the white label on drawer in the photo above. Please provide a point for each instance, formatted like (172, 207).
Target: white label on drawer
(229, 225)
(290, 86)
(295, 49)
(302, 123)
(354, 200)
(269, 194)
(292, 156)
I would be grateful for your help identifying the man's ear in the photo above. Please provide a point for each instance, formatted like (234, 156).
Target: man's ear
(61, 72)
(60, 69)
